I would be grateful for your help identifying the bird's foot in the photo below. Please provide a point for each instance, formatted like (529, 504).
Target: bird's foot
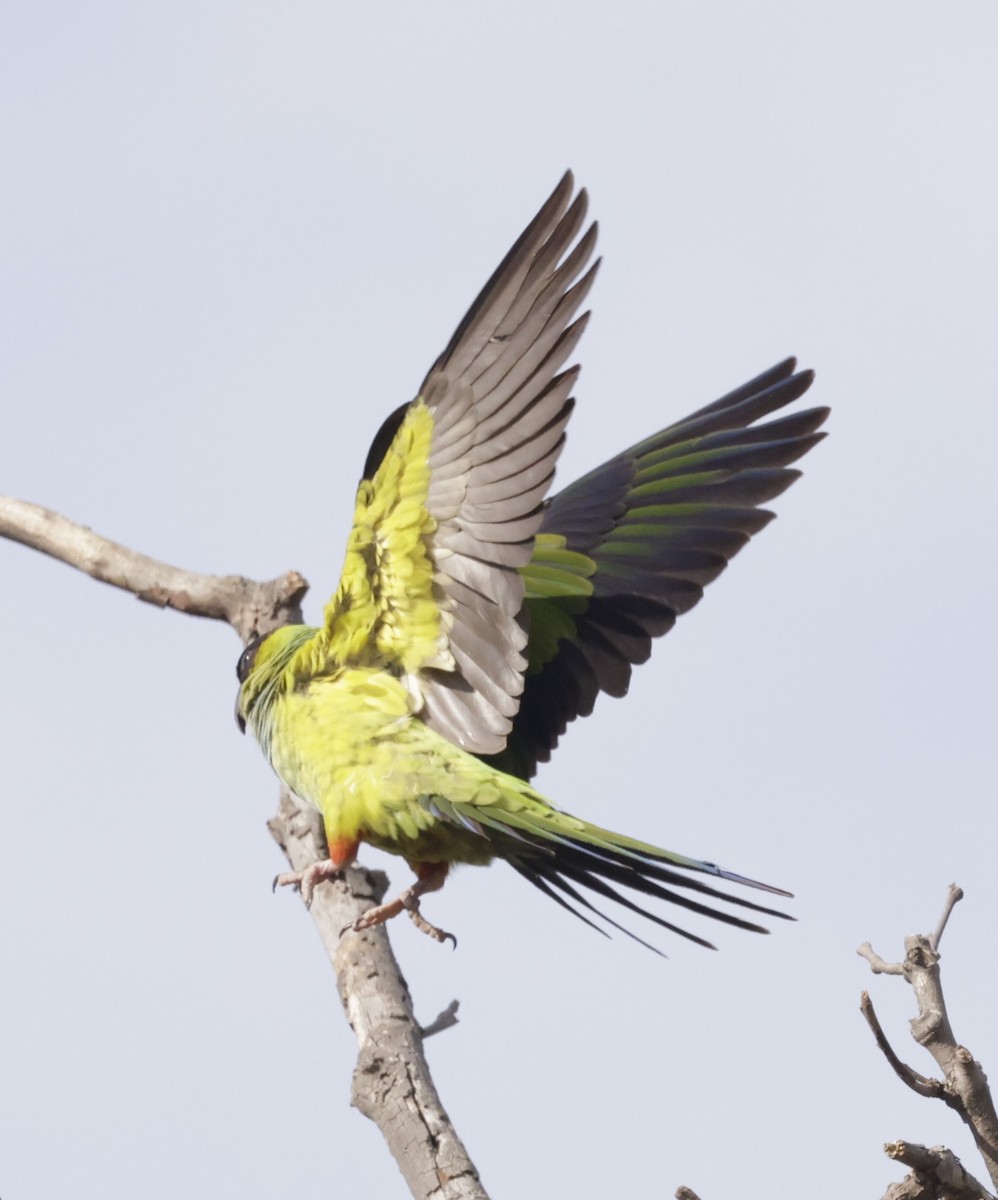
(424, 926)
(408, 901)
(308, 880)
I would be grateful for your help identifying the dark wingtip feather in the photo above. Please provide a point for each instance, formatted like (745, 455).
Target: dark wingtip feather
(553, 209)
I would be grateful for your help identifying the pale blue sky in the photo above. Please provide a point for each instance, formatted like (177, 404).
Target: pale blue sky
(234, 236)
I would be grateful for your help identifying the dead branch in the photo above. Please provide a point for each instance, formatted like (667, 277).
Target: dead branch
(878, 965)
(392, 1083)
(249, 607)
(964, 1087)
(443, 1020)
(954, 894)
(937, 1174)
(932, 1088)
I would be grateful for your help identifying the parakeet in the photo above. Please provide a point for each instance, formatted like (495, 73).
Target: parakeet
(476, 617)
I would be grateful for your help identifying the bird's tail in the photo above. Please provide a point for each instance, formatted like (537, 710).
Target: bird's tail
(566, 857)
(600, 862)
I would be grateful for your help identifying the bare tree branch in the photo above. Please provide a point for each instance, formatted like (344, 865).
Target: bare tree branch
(953, 895)
(391, 1083)
(931, 1088)
(249, 607)
(878, 965)
(965, 1088)
(444, 1020)
(937, 1174)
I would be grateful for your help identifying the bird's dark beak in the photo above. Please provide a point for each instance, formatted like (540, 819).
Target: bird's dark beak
(240, 719)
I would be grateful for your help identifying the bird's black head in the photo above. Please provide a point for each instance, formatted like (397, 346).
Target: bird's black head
(243, 668)
(247, 658)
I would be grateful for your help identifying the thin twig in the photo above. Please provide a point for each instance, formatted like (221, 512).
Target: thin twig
(931, 1088)
(445, 1020)
(878, 965)
(953, 896)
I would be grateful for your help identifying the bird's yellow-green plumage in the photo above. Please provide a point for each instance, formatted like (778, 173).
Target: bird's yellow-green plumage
(475, 617)
(384, 612)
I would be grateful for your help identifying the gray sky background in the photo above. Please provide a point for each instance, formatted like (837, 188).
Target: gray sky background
(234, 236)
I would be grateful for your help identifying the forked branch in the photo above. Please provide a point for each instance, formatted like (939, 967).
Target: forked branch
(963, 1087)
(392, 1083)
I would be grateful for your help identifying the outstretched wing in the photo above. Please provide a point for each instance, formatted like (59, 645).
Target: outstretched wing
(626, 549)
(451, 499)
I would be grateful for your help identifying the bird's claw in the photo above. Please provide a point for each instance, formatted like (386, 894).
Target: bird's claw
(408, 902)
(424, 926)
(308, 880)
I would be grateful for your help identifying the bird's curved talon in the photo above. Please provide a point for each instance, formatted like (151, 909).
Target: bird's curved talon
(360, 925)
(308, 880)
(424, 926)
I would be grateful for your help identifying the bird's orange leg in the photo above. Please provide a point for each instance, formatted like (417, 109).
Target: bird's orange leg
(341, 854)
(429, 878)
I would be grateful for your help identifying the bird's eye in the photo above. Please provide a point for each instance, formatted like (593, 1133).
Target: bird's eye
(247, 658)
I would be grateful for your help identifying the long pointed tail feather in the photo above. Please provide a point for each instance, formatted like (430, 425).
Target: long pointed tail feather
(545, 885)
(648, 877)
(555, 865)
(559, 854)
